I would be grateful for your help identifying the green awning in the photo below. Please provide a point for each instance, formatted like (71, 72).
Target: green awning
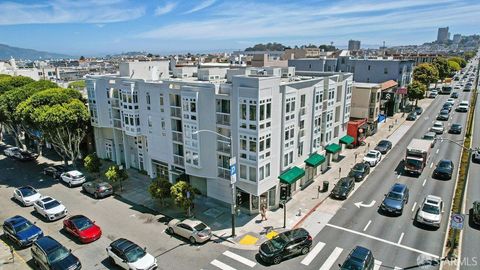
(333, 148)
(347, 139)
(315, 160)
(292, 175)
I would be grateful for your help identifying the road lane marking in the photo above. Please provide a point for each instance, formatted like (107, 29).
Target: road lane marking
(377, 265)
(398, 176)
(438, 150)
(431, 165)
(397, 268)
(331, 259)
(383, 240)
(221, 265)
(401, 238)
(424, 181)
(414, 205)
(239, 258)
(368, 224)
(313, 253)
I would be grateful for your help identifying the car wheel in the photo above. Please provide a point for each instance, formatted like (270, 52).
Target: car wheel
(112, 261)
(305, 250)
(169, 230)
(69, 184)
(95, 195)
(192, 240)
(277, 260)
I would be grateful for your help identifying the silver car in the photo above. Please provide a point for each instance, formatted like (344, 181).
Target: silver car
(193, 230)
(438, 127)
(99, 189)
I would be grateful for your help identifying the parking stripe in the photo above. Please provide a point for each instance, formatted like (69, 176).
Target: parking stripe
(221, 265)
(239, 258)
(313, 253)
(377, 265)
(331, 259)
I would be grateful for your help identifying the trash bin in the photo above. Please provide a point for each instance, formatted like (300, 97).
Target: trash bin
(325, 186)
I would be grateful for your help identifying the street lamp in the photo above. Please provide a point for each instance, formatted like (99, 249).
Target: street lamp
(233, 172)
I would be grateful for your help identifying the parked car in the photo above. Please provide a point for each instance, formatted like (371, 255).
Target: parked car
(395, 200)
(21, 231)
(444, 169)
(384, 146)
(359, 171)
(48, 253)
(476, 156)
(359, 258)
(431, 211)
(437, 128)
(193, 230)
(26, 195)
(418, 110)
(129, 255)
(430, 136)
(476, 212)
(444, 115)
(455, 129)
(98, 188)
(73, 178)
(455, 94)
(11, 151)
(286, 245)
(82, 228)
(50, 208)
(373, 157)
(412, 116)
(56, 171)
(343, 188)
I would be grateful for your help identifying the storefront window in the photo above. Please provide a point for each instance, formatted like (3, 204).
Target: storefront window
(272, 196)
(254, 203)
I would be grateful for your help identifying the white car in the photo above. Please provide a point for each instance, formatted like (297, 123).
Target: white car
(73, 178)
(437, 127)
(50, 208)
(26, 195)
(430, 212)
(462, 107)
(193, 230)
(450, 101)
(129, 255)
(372, 157)
(11, 151)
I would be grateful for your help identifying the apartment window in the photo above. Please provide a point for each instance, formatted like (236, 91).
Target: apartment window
(300, 149)
(262, 112)
(267, 170)
(302, 101)
(149, 121)
(223, 106)
(243, 144)
(135, 97)
(285, 160)
(253, 112)
(385, 71)
(368, 67)
(252, 174)
(243, 111)
(253, 146)
(161, 99)
(163, 124)
(269, 111)
(148, 98)
(193, 107)
(243, 171)
(261, 173)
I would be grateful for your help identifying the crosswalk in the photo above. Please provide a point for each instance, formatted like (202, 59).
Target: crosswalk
(232, 261)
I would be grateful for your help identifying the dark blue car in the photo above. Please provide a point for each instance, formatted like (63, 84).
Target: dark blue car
(395, 200)
(48, 253)
(21, 231)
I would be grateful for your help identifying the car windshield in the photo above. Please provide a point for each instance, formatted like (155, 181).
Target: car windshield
(352, 264)
(438, 125)
(200, 227)
(371, 155)
(358, 168)
(414, 163)
(431, 209)
(23, 227)
(51, 204)
(444, 164)
(456, 126)
(58, 254)
(383, 143)
(428, 137)
(279, 241)
(394, 196)
(26, 192)
(82, 223)
(77, 176)
(344, 183)
(135, 254)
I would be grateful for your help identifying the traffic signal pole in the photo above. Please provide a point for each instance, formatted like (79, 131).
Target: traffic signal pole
(284, 214)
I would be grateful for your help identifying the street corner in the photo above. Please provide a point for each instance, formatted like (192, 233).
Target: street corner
(248, 239)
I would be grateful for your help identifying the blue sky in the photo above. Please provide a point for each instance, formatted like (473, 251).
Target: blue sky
(94, 27)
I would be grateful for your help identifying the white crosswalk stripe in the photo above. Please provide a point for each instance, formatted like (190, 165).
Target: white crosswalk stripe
(313, 253)
(331, 259)
(239, 258)
(377, 265)
(397, 268)
(221, 265)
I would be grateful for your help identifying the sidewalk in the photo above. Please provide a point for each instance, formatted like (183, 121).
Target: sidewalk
(6, 262)
(250, 231)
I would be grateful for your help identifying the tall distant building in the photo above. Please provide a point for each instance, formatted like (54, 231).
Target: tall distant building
(353, 45)
(457, 38)
(443, 35)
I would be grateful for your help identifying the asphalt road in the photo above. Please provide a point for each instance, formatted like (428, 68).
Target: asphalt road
(116, 218)
(471, 234)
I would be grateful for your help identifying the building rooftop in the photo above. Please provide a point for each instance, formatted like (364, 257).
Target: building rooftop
(366, 85)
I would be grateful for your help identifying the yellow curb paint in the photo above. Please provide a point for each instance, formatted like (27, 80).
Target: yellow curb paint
(271, 234)
(248, 240)
(16, 254)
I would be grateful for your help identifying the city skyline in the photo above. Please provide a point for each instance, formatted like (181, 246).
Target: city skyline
(114, 26)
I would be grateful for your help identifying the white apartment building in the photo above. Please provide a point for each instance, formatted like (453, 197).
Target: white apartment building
(280, 127)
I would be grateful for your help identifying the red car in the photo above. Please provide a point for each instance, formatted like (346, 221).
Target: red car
(82, 228)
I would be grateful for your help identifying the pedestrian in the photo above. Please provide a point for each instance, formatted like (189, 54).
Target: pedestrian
(263, 212)
(12, 252)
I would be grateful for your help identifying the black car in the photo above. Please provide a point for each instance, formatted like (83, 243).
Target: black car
(395, 199)
(47, 253)
(454, 95)
(56, 171)
(418, 110)
(285, 245)
(383, 146)
(24, 155)
(412, 116)
(360, 258)
(359, 171)
(343, 188)
(444, 169)
(476, 156)
(447, 106)
(455, 129)
(476, 212)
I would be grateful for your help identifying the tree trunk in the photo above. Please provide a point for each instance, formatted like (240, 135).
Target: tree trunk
(416, 102)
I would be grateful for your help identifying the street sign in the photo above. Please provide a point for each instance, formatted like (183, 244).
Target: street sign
(233, 170)
(457, 221)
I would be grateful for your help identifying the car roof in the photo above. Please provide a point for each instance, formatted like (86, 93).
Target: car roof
(16, 220)
(430, 133)
(77, 217)
(438, 123)
(433, 200)
(123, 244)
(398, 188)
(47, 244)
(360, 253)
(191, 222)
(295, 233)
(74, 173)
(25, 188)
(47, 199)
(373, 151)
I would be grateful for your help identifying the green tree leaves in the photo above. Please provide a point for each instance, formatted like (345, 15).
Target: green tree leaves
(426, 74)
(183, 194)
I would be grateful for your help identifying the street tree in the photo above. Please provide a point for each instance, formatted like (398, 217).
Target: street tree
(114, 174)
(8, 83)
(78, 85)
(442, 66)
(160, 189)
(92, 163)
(415, 91)
(461, 61)
(426, 74)
(453, 66)
(183, 194)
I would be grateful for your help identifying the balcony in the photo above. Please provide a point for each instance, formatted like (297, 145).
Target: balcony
(178, 160)
(177, 137)
(115, 103)
(176, 112)
(223, 173)
(223, 119)
(223, 147)
(117, 123)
